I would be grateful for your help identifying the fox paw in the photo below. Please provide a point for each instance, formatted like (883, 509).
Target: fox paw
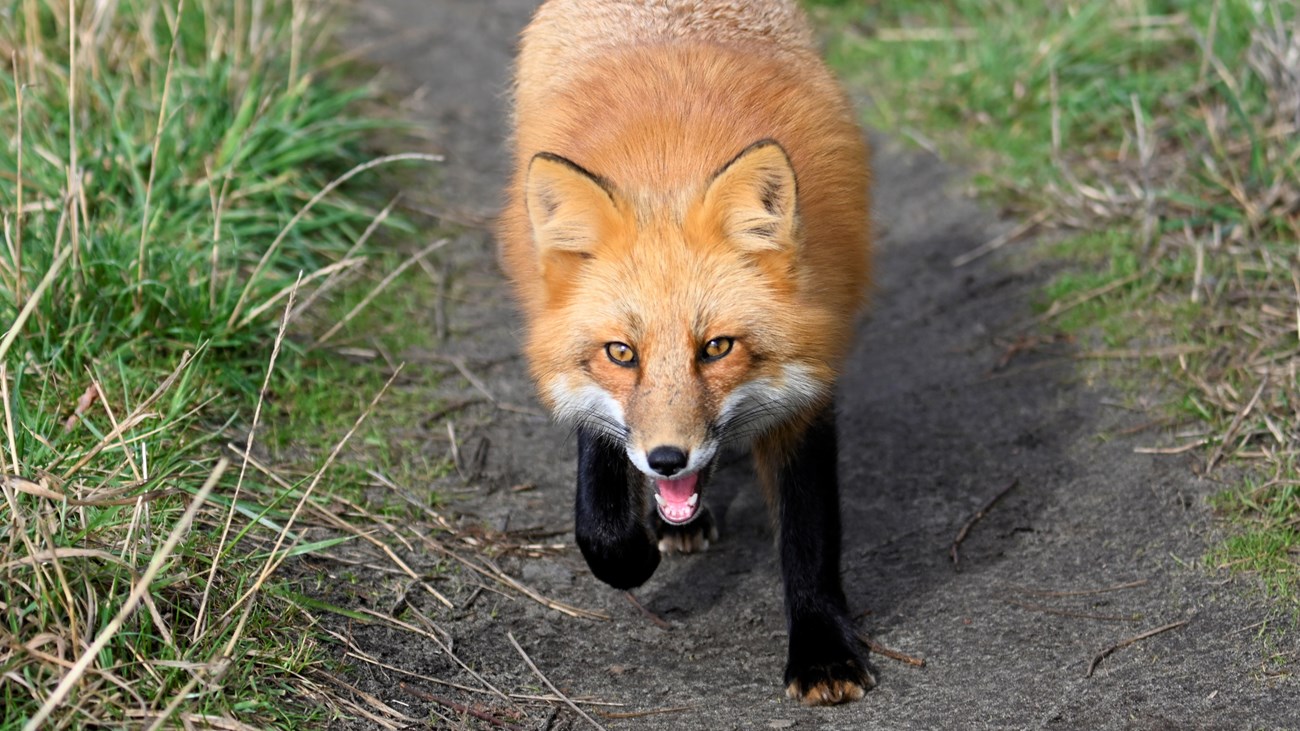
(693, 537)
(825, 666)
(625, 562)
(837, 682)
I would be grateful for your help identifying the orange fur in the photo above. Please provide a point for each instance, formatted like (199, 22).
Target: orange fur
(652, 240)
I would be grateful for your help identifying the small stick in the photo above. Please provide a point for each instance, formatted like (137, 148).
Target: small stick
(457, 707)
(999, 241)
(890, 653)
(455, 447)
(615, 715)
(451, 408)
(659, 622)
(444, 646)
(1070, 613)
(474, 381)
(369, 699)
(538, 673)
(1180, 449)
(965, 529)
(1125, 643)
(1087, 592)
(492, 571)
(1236, 423)
(1060, 306)
(1171, 351)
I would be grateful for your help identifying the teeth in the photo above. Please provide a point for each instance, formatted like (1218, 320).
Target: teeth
(660, 499)
(694, 499)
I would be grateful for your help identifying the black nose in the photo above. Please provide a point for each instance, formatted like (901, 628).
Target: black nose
(667, 461)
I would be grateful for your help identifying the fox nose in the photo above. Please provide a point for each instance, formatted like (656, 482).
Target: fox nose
(667, 461)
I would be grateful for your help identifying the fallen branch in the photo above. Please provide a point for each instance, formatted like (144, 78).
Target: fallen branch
(1125, 643)
(549, 684)
(965, 529)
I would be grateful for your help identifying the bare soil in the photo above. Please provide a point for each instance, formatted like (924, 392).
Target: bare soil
(933, 425)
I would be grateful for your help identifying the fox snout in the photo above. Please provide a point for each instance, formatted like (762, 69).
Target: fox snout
(667, 461)
(661, 457)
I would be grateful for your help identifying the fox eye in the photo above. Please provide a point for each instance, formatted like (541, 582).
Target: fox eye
(621, 353)
(717, 348)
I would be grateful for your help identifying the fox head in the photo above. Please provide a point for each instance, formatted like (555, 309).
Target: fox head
(674, 323)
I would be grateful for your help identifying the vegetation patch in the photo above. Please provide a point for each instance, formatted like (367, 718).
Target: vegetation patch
(174, 193)
(1160, 142)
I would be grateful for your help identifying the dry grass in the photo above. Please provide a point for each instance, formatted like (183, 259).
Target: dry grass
(1159, 142)
(159, 213)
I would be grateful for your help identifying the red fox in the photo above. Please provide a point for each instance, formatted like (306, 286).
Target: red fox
(687, 232)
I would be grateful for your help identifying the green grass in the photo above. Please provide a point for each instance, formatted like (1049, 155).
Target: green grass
(1158, 142)
(306, 417)
(165, 179)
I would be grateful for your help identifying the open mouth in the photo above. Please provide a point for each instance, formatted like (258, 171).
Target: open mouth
(678, 500)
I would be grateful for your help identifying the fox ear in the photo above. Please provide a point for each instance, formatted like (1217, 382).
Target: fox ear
(755, 199)
(570, 209)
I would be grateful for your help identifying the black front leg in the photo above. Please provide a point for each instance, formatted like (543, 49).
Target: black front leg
(609, 515)
(825, 665)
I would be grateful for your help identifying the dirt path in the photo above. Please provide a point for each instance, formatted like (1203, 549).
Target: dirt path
(930, 432)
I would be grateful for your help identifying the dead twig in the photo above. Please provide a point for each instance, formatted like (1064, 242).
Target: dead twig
(374, 702)
(333, 519)
(1235, 425)
(359, 654)
(549, 684)
(999, 241)
(1180, 449)
(457, 707)
(1125, 643)
(1070, 613)
(1172, 351)
(494, 572)
(1085, 592)
(890, 653)
(618, 715)
(451, 408)
(659, 622)
(965, 529)
(474, 380)
(443, 645)
(1059, 306)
